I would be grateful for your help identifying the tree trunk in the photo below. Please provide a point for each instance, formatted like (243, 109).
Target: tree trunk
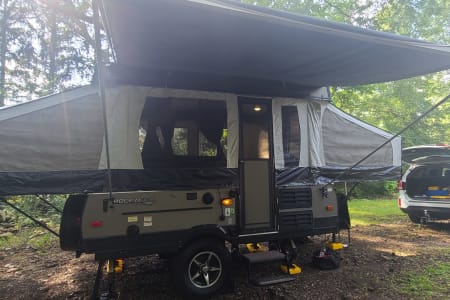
(3, 50)
(53, 51)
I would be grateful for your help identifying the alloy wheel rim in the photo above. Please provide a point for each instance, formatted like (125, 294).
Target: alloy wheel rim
(205, 269)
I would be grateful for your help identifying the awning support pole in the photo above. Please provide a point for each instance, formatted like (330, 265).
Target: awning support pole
(99, 68)
(442, 101)
(42, 224)
(48, 203)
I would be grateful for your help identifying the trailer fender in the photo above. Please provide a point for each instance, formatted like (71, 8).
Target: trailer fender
(205, 231)
(70, 227)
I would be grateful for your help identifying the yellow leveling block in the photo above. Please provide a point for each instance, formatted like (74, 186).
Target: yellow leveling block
(251, 247)
(294, 269)
(334, 246)
(115, 265)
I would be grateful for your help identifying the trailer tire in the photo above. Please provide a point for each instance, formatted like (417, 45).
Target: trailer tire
(201, 269)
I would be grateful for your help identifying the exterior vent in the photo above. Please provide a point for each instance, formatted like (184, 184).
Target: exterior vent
(294, 198)
(300, 221)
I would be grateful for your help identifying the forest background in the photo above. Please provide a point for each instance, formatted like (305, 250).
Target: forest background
(47, 46)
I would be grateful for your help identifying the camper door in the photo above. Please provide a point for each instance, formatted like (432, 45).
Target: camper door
(256, 165)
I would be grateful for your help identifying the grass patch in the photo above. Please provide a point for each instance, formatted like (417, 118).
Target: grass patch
(366, 212)
(430, 283)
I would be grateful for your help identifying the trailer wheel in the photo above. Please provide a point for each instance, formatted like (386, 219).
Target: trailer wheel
(202, 268)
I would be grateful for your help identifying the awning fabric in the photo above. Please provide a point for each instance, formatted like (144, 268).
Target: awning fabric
(228, 38)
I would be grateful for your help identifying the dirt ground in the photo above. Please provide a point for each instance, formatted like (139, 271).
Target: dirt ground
(372, 267)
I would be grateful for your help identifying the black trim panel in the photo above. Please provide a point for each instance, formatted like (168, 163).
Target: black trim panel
(311, 176)
(80, 181)
(168, 242)
(125, 246)
(329, 222)
(52, 182)
(166, 210)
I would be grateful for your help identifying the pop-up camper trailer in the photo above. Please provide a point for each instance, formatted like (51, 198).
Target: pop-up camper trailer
(212, 126)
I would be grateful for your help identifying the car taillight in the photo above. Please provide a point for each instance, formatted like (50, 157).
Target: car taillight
(399, 202)
(400, 185)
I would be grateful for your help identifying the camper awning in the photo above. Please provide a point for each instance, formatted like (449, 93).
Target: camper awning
(231, 39)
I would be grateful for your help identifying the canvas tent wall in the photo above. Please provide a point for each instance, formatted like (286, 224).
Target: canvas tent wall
(59, 132)
(331, 142)
(56, 144)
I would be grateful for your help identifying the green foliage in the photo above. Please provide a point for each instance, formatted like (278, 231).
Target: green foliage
(35, 207)
(14, 241)
(17, 55)
(18, 231)
(371, 189)
(35, 237)
(366, 212)
(425, 19)
(66, 49)
(429, 283)
(392, 106)
(347, 11)
(45, 47)
(41, 241)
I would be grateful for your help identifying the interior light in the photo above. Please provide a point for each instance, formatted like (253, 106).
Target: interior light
(257, 108)
(227, 202)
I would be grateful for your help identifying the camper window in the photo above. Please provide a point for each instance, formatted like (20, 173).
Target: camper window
(183, 133)
(291, 135)
(180, 141)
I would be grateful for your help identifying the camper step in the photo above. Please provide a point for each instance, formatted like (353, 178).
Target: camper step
(275, 279)
(262, 257)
